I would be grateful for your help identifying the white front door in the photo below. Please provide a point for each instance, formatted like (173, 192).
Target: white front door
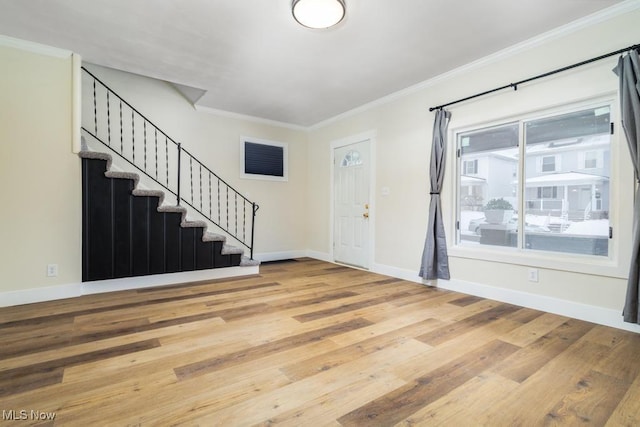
(351, 204)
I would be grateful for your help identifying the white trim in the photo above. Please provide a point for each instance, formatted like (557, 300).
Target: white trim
(47, 293)
(400, 273)
(322, 256)
(589, 313)
(33, 47)
(369, 136)
(278, 256)
(72, 290)
(244, 117)
(76, 102)
(151, 281)
(562, 31)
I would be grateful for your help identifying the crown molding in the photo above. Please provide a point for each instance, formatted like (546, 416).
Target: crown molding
(254, 119)
(33, 47)
(541, 39)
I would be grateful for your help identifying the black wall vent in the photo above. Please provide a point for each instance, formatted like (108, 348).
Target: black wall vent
(264, 160)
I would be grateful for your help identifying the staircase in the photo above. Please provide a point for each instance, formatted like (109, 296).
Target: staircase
(129, 229)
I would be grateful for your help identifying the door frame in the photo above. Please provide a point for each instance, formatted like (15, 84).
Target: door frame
(370, 137)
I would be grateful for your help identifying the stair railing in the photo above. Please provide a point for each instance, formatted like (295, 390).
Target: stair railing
(129, 134)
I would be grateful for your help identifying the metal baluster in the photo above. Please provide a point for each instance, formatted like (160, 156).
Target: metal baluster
(200, 185)
(191, 176)
(133, 136)
(210, 213)
(166, 158)
(95, 109)
(144, 143)
(253, 227)
(236, 209)
(179, 171)
(244, 220)
(108, 121)
(156, 139)
(218, 201)
(121, 127)
(227, 223)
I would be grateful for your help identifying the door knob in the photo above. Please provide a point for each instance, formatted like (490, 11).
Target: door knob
(366, 214)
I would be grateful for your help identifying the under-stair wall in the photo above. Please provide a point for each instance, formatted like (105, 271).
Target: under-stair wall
(125, 234)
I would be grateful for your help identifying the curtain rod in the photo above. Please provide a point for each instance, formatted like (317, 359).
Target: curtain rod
(549, 73)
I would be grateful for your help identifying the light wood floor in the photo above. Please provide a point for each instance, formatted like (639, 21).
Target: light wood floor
(308, 343)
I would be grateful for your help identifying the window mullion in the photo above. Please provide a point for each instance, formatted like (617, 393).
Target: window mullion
(521, 183)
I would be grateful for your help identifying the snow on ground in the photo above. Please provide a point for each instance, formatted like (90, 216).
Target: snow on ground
(592, 227)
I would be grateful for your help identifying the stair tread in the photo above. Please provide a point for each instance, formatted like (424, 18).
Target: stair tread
(148, 193)
(213, 237)
(171, 208)
(248, 262)
(231, 250)
(122, 175)
(194, 224)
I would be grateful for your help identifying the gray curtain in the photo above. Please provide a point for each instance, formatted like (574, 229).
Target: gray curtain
(435, 262)
(628, 70)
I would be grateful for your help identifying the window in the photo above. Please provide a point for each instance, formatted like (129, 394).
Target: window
(547, 192)
(591, 159)
(470, 167)
(551, 203)
(547, 164)
(352, 158)
(260, 159)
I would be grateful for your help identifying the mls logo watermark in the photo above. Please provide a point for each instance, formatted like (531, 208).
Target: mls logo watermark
(24, 415)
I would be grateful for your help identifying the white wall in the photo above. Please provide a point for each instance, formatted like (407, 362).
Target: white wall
(214, 140)
(40, 220)
(404, 127)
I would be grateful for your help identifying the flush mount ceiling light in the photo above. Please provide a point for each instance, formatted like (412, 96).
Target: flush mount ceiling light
(318, 13)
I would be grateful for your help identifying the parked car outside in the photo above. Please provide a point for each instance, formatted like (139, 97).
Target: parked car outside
(475, 225)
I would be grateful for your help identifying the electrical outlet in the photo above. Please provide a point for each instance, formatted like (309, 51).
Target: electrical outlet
(533, 274)
(52, 270)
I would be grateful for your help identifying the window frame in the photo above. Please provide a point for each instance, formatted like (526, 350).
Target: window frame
(598, 265)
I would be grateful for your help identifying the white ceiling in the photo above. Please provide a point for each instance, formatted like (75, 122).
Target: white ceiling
(253, 59)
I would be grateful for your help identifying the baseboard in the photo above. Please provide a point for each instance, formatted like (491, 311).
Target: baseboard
(33, 295)
(278, 256)
(576, 310)
(400, 273)
(141, 282)
(322, 256)
(72, 290)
